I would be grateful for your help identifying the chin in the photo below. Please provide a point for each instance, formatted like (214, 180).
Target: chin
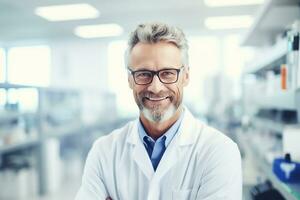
(158, 116)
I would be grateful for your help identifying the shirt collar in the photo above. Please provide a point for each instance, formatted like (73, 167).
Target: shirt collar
(169, 134)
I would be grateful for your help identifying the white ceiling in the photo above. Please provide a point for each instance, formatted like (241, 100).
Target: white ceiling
(18, 21)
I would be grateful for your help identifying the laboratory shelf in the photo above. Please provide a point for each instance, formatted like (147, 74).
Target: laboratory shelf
(6, 117)
(72, 129)
(18, 146)
(289, 191)
(57, 115)
(282, 100)
(273, 57)
(10, 85)
(63, 130)
(269, 124)
(272, 17)
(48, 89)
(60, 132)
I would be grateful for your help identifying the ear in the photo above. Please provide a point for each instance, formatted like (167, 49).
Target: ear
(130, 82)
(186, 76)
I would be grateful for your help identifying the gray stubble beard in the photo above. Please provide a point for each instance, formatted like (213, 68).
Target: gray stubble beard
(158, 116)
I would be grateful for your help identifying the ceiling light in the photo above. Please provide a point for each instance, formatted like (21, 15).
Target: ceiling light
(95, 31)
(229, 22)
(67, 12)
(217, 3)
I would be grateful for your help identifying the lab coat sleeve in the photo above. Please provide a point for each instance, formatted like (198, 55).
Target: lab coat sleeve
(92, 186)
(222, 178)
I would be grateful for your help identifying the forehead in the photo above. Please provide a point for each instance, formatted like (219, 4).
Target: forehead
(155, 56)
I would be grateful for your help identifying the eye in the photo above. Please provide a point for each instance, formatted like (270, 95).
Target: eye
(168, 73)
(143, 74)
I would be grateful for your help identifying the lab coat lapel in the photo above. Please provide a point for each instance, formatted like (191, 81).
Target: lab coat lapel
(184, 138)
(168, 160)
(139, 152)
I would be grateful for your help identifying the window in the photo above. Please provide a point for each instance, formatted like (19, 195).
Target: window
(235, 57)
(204, 52)
(117, 79)
(2, 65)
(25, 98)
(2, 98)
(29, 65)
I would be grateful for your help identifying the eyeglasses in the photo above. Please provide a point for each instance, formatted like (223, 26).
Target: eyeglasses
(144, 77)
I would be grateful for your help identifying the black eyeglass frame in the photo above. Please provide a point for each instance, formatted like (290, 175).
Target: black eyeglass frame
(153, 73)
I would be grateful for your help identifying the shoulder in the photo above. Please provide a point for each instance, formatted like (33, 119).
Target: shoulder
(205, 137)
(215, 137)
(219, 148)
(200, 132)
(211, 144)
(219, 157)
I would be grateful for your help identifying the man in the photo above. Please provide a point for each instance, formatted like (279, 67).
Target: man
(166, 153)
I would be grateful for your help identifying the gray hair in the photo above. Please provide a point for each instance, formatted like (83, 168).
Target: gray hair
(157, 32)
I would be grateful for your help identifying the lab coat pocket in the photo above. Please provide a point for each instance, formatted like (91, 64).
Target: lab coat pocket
(181, 194)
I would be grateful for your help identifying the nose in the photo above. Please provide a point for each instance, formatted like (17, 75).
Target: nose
(155, 86)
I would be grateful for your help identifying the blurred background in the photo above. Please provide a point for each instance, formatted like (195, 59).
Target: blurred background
(63, 84)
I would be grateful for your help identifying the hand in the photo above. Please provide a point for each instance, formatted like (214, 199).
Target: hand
(108, 198)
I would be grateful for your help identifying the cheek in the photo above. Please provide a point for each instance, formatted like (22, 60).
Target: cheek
(179, 87)
(137, 89)
(176, 90)
(130, 83)
(179, 92)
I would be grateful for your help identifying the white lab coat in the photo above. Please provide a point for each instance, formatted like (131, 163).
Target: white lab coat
(199, 163)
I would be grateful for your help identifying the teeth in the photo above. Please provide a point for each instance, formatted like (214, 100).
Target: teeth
(157, 99)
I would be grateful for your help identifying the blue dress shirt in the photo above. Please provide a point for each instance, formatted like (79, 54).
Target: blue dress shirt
(156, 149)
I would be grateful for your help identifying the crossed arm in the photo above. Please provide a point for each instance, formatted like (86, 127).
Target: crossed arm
(221, 180)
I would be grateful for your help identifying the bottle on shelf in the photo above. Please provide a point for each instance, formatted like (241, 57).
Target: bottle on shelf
(293, 71)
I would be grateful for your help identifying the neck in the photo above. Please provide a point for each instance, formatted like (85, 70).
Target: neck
(157, 129)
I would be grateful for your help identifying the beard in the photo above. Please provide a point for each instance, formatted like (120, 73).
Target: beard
(157, 113)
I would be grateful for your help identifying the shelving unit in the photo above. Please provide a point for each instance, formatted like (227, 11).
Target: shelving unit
(269, 124)
(17, 86)
(49, 124)
(8, 116)
(281, 100)
(72, 129)
(18, 146)
(271, 19)
(54, 133)
(265, 61)
(267, 92)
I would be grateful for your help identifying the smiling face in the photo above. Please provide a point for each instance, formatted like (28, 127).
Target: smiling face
(157, 101)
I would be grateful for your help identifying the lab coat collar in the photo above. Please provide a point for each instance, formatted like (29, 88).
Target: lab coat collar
(188, 130)
(186, 135)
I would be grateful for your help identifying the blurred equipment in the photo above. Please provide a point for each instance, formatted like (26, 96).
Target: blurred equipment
(286, 169)
(18, 178)
(53, 165)
(291, 139)
(265, 191)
